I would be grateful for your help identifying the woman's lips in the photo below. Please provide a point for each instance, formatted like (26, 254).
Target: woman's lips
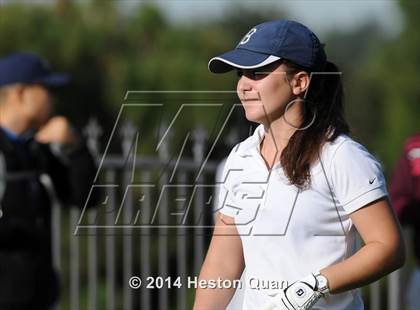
(249, 99)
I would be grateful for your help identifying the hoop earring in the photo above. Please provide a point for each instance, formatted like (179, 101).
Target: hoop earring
(290, 124)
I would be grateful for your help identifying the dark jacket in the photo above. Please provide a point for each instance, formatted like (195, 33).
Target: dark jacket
(405, 189)
(27, 277)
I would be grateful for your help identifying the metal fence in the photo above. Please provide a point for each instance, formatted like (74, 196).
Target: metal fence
(130, 240)
(96, 262)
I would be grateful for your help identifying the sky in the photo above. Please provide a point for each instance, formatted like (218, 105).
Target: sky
(321, 16)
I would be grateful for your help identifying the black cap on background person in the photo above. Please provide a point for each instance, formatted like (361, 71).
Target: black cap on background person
(28, 68)
(26, 102)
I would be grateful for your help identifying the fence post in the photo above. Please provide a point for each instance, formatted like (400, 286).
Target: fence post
(93, 132)
(110, 243)
(199, 137)
(394, 298)
(145, 243)
(55, 226)
(181, 250)
(74, 261)
(129, 147)
(163, 153)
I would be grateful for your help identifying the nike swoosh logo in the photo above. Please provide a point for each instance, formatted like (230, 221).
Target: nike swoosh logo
(371, 181)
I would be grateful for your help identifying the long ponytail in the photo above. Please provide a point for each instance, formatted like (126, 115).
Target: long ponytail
(325, 98)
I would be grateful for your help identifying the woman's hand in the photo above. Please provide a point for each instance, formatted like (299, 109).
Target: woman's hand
(56, 130)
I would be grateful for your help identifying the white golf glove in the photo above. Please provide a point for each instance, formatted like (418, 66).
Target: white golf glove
(300, 295)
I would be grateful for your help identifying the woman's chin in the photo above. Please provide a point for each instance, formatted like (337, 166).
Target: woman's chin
(254, 113)
(255, 116)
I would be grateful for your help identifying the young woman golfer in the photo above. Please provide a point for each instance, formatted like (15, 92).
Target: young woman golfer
(298, 190)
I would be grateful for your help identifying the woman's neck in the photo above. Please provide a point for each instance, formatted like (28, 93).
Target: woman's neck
(279, 131)
(276, 137)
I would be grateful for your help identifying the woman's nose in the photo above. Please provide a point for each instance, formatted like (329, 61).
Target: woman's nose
(244, 84)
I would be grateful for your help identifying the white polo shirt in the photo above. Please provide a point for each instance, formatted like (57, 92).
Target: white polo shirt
(288, 233)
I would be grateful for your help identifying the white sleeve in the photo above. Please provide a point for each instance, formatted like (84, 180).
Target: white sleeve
(356, 176)
(225, 200)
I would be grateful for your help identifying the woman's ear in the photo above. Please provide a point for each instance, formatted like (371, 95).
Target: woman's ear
(300, 83)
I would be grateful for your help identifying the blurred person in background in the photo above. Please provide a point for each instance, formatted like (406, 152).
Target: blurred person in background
(405, 194)
(34, 145)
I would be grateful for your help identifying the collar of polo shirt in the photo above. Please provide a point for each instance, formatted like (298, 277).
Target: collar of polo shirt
(250, 146)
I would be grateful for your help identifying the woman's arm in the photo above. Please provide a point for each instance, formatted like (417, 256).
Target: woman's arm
(224, 260)
(382, 253)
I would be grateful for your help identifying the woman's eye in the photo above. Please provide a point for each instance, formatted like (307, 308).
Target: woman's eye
(254, 75)
(258, 74)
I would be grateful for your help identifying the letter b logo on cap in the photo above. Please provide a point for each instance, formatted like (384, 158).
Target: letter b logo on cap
(246, 38)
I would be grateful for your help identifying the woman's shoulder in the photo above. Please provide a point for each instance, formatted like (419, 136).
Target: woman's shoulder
(348, 144)
(345, 149)
(355, 174)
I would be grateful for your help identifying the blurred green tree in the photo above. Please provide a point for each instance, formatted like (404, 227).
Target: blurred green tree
(391, 83)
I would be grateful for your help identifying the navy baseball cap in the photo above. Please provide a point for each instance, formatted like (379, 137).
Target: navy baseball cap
(271, 41)
(29, 68)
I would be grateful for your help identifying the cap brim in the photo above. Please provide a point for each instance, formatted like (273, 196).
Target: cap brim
(54, 80)
(240, 58)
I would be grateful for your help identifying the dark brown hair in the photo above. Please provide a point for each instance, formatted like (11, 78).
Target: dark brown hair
(325, 98)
